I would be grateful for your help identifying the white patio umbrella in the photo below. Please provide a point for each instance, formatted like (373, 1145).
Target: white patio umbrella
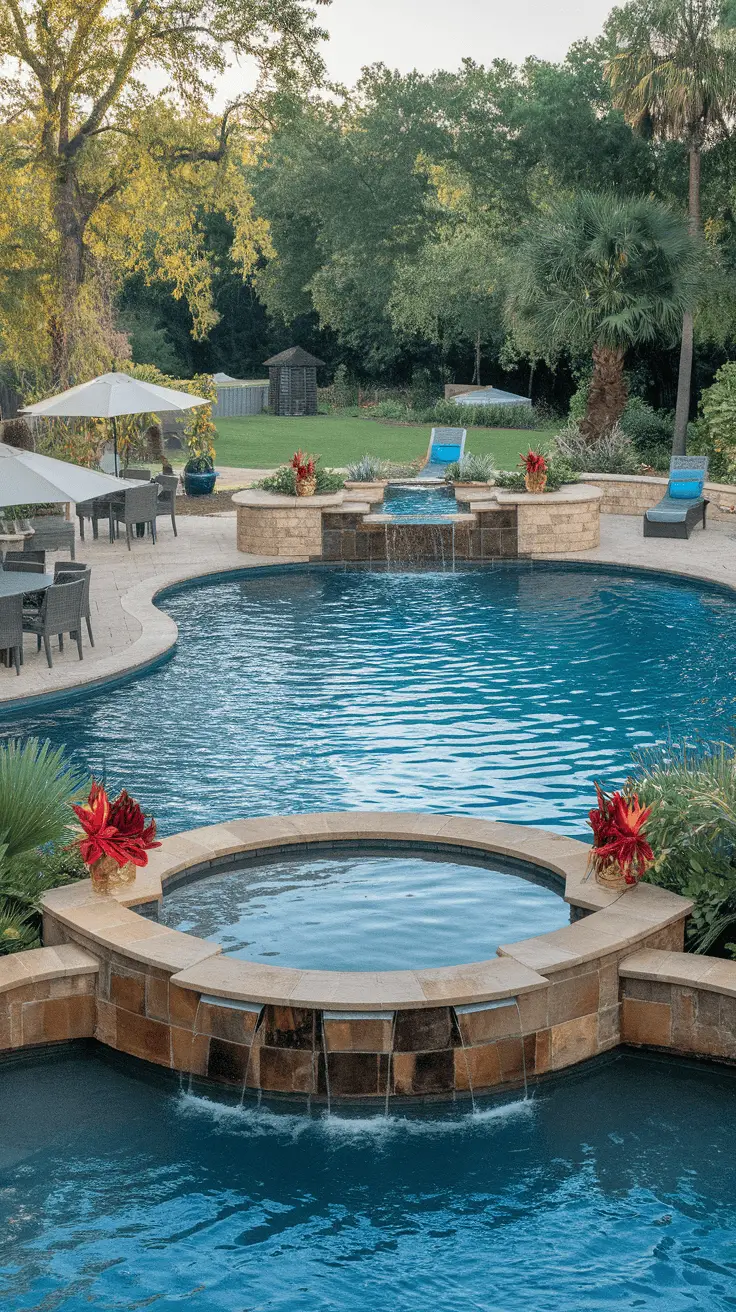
(110, 396)
(27, 479)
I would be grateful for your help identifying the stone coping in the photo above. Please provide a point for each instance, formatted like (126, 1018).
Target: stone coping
(40, 964)
(568, 494)
(619, 921)
(258, 499)
(686, 969)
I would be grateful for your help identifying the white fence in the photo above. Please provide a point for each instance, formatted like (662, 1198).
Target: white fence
(234, 399)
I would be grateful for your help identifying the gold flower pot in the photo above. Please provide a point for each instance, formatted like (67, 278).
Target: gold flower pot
(306, 487)
(535, 482)
(105, 874)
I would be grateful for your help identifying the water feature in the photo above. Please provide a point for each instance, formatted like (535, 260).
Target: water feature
(496, 692)
(419, 504)
(366, 908)
(614, 1188)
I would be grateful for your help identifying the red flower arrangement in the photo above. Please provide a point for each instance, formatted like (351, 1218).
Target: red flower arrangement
(114, 830)
(533, 463)
(619, 840)
(303, 465)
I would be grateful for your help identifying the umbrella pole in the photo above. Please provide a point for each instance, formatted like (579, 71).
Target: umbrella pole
(115, 443)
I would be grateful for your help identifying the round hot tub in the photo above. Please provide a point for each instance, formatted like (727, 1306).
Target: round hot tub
(366, 908)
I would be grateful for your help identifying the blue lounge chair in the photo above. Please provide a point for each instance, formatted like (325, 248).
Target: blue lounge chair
(446, 445)
(683, 504)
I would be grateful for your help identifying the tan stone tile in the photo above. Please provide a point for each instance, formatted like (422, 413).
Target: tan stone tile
(573, 1041)
(647, 1023)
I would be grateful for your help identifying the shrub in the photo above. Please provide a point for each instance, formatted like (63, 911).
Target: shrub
(613, 453)
(481, 416)
(651, 432)
(392, 410)
(715, 432)
(471, 469)
(17, 433)
(692, 830)
(369, 469)
(283, 481)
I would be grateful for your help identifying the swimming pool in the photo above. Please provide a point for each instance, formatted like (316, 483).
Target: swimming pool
(496, 692)
(120, 1192)
(366, 910)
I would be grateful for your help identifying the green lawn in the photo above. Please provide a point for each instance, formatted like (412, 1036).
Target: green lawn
(262, 441)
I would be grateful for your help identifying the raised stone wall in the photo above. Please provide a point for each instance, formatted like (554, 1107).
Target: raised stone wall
(549, 523)
(632, 494)
(679, 1001)
(47, 995)
(270, 525)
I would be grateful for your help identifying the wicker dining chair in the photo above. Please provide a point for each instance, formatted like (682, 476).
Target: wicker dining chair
(11, 630)
(168, 484)
(66, 571)
(24, 566)
(138, 505)
(60, 613)
(25, 556)
(95, 509)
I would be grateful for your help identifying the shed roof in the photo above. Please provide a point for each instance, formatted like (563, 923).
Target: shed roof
(294, 358)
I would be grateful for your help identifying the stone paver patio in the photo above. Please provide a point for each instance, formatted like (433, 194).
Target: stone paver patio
(130, 631)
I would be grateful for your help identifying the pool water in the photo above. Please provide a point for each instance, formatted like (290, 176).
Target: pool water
(612, 1189)
(496, 692)
(420, 504)
(361, 911)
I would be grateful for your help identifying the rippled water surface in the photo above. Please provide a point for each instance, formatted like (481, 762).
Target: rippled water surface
(501, 693)
(616, 1189)
(419, 503)
(362, 911)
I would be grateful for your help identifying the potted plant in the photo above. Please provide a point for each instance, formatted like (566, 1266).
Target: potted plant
(306, 478)
(621, 854)
(535, 471)
(200, 433)
(116, 837)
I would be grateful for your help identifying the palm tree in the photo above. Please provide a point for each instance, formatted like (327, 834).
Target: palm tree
(674, 77)
(602, 273)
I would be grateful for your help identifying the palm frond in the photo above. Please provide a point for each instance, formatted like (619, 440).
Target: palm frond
(37, 784)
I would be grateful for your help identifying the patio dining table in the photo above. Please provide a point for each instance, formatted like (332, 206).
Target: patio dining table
(14, 583)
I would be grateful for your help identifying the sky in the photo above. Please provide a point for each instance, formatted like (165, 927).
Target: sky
(429, 34)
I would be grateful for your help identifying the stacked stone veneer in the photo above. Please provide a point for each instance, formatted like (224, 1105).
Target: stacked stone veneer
(681, 1002)
(47, 995)
(175, 1000)
(351, 536)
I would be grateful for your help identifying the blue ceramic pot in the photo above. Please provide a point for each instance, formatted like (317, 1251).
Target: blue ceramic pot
(199, 485)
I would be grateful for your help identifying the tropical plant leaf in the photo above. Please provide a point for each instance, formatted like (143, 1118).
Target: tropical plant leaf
(37, 784)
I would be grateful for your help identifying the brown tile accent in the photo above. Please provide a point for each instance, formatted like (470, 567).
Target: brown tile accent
(106, 1027)
(683, 1018)
(357, 1035)
(542, 1051)
(227, 1061)
(230, 1023)
(479, 1066)
(189, 1052)
(423, 1072)
(182, 1005)
(157, 997)
(402, 1072)
(573, 1041)
(646, 1022)
(289, 1027)
(424, 1029)
(356, 1073)
(129, 992)
(608, 984)
(492, 1023)
(575, 997)
(609, 1026)
(285, 1070)
(58, 1019)
(142, 1037)
(534, 1009)
(512, 1058)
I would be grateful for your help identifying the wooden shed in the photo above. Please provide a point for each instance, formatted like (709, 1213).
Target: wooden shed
(292, 382)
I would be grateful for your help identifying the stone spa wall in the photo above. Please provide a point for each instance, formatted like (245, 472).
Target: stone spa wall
(541, 1005)
(490, 524)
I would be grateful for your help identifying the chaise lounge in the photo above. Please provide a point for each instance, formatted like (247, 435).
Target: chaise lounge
(446, 445)
(683, 504)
